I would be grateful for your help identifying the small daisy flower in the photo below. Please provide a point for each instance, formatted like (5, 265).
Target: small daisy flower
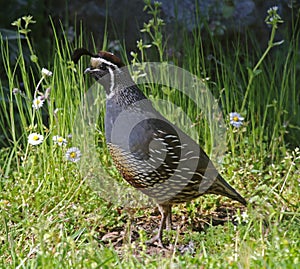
(35, 139)
(236, 119)
(38, 102)
(59, 140)
(46, 72)
(73, 154)
(16, 91)
(245, 217)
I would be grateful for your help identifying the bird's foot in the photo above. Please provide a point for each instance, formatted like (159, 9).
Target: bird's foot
(156, 241)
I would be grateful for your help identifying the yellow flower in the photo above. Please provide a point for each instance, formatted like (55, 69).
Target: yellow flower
(236, 119)
(35, 139)
(59, 140)
(38, 102)
(73, 154)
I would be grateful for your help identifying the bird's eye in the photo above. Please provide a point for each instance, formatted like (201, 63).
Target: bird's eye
(103, 66)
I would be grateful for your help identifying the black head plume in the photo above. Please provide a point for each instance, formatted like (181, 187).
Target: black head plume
(105, 68)
(101, 54)
(80, 52)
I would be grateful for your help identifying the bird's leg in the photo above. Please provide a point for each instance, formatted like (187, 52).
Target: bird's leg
(169, 219)
(165, 211)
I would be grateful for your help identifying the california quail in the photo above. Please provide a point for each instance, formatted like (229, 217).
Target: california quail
(155, 156)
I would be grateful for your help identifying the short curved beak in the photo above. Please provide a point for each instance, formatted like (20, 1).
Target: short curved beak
(87, 71)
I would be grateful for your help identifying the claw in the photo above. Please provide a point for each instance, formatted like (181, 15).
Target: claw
(156, 241)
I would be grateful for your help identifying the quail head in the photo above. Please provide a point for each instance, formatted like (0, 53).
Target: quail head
(151, 153)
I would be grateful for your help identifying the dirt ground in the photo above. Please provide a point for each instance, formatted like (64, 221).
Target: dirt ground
(182, 223)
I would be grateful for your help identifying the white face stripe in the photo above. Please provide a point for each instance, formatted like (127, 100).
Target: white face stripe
(108, 63)
(112, 83)
(96, 61)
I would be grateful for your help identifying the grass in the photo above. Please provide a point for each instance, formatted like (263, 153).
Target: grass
(55, 214)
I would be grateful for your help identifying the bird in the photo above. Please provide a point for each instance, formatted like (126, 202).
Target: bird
(151, 154)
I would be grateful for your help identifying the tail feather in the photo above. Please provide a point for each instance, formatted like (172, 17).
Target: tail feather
(221, 187)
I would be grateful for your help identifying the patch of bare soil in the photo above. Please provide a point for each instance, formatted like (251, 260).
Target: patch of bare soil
(128, 236)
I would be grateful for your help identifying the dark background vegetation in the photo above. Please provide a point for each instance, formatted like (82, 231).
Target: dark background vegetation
(224, 19)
